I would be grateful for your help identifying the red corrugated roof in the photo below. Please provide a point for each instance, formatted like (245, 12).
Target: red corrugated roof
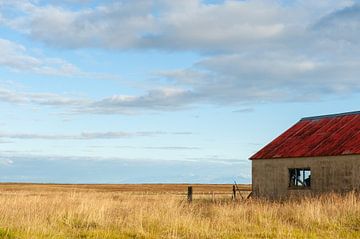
(327, 135)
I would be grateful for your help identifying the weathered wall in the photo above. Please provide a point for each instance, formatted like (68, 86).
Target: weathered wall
(270, 177)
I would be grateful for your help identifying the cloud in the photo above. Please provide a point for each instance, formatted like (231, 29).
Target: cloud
(341, 25)
(251, 52)
(244, 110)
(192, 25)
(18, 58)
(15, 96)
(218, 80)
(5, 142)
(233, 79)
(151, 147)
(15, 56)
(118, 24)
(154, 100)
(6, 162)
(161, 24)
(85, 135)
(173, 148)
(62, 169)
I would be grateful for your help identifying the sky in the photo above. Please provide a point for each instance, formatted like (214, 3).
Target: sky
(165, 91)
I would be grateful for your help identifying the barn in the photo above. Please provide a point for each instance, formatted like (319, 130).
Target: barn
(316, 155)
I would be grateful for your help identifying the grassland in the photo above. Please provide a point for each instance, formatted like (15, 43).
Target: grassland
(161, 211)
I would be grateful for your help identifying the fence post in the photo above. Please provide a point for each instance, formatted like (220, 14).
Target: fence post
(234, 192)
(190, 193)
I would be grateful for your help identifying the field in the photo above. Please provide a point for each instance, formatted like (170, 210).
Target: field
(162, 211)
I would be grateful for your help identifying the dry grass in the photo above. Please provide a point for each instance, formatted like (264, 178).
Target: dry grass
(134, 188)
(46, 213)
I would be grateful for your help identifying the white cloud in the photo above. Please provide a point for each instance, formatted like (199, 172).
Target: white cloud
(253, 51)
(159, 99)
(244, 110)
(237, 79)
(5, 142)
(6, 162)
(86, 135)
(113, 25)
(167, 24)
(50, 99)
(15, 56)
(205, 27)
(172, 148)
(154, 100)
(148, 147)
(173, 25)
(18, 58)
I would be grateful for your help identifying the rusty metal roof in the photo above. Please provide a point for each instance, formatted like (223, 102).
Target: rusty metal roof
(327, 135)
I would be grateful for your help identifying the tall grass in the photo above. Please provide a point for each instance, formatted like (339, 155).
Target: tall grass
(24, 214)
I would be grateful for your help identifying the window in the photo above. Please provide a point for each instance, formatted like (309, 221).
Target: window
(299, 177)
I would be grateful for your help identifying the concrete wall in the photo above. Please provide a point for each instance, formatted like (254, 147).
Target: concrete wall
(270, 177)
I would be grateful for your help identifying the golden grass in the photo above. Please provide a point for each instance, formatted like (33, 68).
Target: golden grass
(109, 214)
(135, 188)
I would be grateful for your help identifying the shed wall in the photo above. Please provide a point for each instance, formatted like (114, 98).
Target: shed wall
(270, 177)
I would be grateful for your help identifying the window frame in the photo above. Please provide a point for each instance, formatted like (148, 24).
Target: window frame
(303, 171)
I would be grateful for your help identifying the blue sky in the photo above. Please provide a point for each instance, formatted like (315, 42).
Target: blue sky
(165, 91)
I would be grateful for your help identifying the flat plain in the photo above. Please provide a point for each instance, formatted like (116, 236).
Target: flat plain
(162, 211)
(126, 188)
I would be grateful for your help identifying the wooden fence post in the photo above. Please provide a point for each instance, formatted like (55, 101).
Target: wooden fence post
(190, 193)
(234, 192)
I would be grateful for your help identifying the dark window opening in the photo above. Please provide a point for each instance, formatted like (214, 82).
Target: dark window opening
(299, 177)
